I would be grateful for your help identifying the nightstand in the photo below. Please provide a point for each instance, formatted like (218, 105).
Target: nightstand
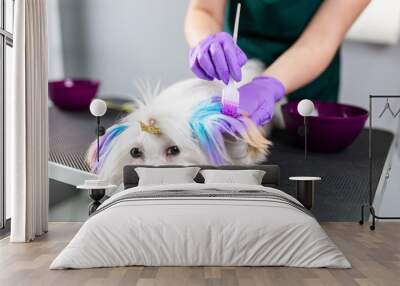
(305, 190)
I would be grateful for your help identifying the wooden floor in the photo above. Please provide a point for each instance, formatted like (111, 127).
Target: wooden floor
(375, 257)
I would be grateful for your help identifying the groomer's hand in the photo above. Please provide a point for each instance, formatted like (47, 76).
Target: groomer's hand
(217, 57)
(258, 98)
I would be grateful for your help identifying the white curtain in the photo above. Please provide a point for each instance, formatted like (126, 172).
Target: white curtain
(27, 127)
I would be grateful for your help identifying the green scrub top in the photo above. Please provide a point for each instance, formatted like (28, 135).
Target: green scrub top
(269, 27)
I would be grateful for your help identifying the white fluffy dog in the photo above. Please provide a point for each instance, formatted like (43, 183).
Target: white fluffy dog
(161, 131)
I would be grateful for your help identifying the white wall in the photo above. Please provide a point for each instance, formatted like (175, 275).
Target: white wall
(371, 69)
(56, 67)
(121, 41)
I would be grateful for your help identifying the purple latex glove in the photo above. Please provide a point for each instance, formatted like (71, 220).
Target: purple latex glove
(217, 56)
(258, 98)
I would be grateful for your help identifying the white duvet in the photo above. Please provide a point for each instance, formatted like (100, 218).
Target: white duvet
(185, 231)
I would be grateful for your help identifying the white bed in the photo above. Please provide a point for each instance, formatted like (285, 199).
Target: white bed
(201, 224)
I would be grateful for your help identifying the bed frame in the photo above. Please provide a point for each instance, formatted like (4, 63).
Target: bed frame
(270, 179)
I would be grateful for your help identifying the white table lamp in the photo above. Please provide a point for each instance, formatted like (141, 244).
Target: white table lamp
(305, 108)
(98, 108)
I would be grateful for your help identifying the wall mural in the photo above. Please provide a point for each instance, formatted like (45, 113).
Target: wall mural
(219, 98)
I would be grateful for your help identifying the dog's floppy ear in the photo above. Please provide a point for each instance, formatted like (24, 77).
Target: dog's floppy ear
(210, 126)
(105, 146)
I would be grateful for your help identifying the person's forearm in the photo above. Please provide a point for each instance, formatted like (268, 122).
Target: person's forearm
(316, 47)
(203, 19)
(301, 64)
(199, 24)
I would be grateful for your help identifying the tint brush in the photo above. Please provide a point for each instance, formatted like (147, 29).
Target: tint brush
(230, 94)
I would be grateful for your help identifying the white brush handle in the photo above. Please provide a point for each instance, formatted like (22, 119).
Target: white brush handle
(230, 92)
(235, 36)
(236, 25)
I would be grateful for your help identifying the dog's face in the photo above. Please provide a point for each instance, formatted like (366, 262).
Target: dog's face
(134, 146)
(150, 149)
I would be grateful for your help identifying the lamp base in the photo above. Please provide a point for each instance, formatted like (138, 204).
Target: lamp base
(305, 193)
(96, 195)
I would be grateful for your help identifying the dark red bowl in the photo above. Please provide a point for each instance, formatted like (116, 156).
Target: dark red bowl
(335, 128)
(73, 94)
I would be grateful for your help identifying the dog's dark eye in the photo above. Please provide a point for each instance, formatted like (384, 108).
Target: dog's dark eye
(136, 153)
(173, 151)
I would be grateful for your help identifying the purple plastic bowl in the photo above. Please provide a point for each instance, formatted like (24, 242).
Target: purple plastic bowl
(73, 94)
(335, 128)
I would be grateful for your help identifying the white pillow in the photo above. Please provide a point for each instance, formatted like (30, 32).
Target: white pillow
(166, 176)
(248, 177)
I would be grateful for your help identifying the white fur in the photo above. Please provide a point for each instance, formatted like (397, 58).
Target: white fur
(172, 109)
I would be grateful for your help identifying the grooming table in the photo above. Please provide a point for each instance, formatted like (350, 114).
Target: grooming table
(345, 174)
(70, 136)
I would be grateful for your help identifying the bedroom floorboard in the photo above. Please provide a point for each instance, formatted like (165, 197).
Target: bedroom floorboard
(375, 257)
